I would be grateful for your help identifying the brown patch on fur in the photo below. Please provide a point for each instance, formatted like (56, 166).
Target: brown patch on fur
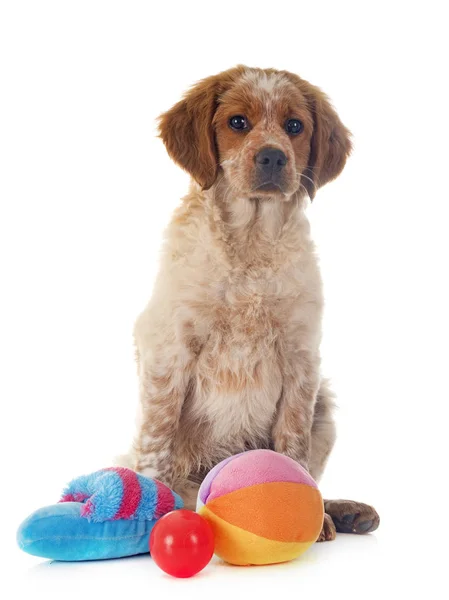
(192, 340)
(162, 382)
(234, 383)
(187, 130)
(330, 145)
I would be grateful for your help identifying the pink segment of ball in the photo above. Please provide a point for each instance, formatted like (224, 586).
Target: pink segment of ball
(252, 468)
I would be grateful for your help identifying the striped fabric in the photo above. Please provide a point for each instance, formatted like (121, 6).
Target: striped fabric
(119, 493)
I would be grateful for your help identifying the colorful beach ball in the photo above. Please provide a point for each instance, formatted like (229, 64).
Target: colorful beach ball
(263, 507)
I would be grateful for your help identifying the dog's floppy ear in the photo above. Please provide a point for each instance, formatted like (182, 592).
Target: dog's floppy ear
(187, 130)
(330, 145)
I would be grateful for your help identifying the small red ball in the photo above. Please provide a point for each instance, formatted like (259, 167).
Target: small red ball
(182, 543)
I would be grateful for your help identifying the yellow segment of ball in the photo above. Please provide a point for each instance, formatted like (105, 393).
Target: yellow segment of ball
(239, 547)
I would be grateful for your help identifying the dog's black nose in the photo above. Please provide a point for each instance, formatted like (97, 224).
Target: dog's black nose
(270, 160)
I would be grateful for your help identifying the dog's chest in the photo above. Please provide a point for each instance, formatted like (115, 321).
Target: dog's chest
(238, 379)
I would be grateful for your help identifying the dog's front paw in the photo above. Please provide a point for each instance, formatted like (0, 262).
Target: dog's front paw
(328, 532)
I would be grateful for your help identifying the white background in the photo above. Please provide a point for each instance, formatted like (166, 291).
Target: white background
(86, 189)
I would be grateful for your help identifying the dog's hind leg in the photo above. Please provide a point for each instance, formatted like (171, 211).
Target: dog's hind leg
(323, 430)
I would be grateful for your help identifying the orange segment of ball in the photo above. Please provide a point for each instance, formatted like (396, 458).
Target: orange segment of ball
(262, 510)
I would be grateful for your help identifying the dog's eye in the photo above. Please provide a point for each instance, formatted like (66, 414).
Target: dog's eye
(293, 126)
(238, 123)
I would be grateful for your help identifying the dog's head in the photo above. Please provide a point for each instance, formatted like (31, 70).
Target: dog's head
(270, 132)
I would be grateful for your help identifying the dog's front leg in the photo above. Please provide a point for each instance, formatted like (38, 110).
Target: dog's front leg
(163, 385)
(292, 428)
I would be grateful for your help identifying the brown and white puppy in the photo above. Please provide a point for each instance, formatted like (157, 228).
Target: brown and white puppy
(228, 348)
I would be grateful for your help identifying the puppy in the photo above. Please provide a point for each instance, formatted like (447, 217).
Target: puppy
(228, 348)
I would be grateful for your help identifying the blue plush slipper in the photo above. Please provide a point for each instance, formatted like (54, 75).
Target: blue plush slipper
(107, 514)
